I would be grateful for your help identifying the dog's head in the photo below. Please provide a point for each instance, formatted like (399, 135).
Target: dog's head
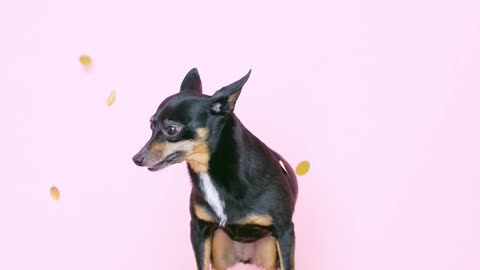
(184, 122)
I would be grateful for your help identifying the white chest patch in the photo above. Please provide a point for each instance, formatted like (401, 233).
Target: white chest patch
(212, 197)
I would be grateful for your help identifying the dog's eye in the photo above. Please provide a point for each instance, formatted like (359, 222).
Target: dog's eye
(172, 130)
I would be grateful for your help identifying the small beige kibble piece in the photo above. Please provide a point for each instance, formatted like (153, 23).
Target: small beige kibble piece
(111, 98)
(55, 193)
(302, 168)
(85, 60)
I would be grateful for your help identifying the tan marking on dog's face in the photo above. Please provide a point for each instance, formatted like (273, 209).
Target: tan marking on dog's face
(202, 213)
(199, 157)
(155, 153)
(262, 220)
(159, 151)
(157, 147)
(207, 252)
(202, 133)
(183, 146)
(195, 152)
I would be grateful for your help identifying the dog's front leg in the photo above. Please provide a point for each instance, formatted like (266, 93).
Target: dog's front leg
(286, 248)
(201, 238)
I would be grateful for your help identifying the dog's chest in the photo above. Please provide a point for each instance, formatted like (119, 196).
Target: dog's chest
(213, 197)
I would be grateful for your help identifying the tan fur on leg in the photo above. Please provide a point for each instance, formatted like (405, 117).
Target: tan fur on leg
(266, 253)
(223, 251)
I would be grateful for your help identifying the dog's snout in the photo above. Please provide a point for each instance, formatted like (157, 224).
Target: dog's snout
(138, 159)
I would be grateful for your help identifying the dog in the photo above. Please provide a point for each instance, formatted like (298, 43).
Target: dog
(243, 193)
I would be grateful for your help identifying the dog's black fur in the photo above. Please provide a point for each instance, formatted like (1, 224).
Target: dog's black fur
(257, 186)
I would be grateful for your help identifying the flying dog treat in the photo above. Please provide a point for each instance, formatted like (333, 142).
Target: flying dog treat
(111, 98)
(302, 167)
(85, 60)
(55, 193)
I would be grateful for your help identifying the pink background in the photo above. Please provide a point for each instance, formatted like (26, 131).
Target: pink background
(381, 97)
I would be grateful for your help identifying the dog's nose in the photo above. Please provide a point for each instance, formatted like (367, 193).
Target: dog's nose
(138, 159)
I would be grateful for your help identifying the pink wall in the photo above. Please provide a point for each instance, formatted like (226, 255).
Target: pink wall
(382, 99)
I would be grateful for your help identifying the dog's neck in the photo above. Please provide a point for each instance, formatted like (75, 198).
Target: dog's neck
(225, 141)
(227, 166)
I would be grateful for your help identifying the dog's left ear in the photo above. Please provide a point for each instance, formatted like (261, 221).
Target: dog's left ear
(223, 101)
(192, 83)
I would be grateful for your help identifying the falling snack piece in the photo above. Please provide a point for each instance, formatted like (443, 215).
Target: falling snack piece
(55, 193)
(111, 98)
(302, 168)
(85, 60)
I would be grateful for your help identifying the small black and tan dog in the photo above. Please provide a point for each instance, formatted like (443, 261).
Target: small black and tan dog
(243, 193)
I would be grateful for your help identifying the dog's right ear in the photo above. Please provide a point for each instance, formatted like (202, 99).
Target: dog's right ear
(223, 101)
(191, 83)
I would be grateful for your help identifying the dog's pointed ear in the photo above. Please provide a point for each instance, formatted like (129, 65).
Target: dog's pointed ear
(223, 101)
(192, 83)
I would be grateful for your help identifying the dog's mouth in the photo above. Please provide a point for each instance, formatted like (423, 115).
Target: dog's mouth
(167, 161)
